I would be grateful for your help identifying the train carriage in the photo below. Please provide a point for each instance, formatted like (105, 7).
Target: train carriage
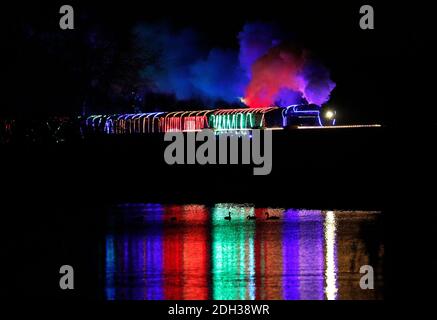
(219, 120)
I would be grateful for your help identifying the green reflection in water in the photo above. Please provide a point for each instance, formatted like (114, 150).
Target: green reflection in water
(232, 253)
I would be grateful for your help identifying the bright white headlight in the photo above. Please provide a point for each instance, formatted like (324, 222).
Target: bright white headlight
(329, 114)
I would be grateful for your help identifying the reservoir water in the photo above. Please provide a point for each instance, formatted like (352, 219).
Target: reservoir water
(155, 251)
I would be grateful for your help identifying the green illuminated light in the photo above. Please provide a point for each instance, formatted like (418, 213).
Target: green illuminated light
(233, 121)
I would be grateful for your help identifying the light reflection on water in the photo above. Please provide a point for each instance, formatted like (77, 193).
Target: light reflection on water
(192, 252)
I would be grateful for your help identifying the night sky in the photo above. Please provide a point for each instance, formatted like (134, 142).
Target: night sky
(51, 71)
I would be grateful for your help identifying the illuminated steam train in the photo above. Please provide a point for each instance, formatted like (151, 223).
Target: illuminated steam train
(220, 120)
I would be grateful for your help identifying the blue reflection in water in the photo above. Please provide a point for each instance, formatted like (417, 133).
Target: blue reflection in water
(134, 263)
(311, 258)
(153, 267)
(303, 261)
(290, 251)
(110, 268)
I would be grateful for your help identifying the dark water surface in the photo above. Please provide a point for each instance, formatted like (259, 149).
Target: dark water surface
(158, 251)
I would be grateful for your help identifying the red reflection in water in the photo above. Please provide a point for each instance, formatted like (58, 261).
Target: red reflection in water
(173, 256)
(268, 256)
(196, 255)
(186, 253)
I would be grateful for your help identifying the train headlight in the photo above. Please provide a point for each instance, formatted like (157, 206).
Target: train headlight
(329, 114)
